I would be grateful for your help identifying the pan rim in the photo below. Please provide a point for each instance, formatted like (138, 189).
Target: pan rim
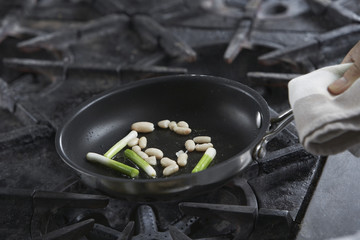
(185, 77)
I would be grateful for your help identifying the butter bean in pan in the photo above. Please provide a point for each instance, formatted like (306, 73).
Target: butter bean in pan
(182, 159)
(143, 142)
(171, 169)
(165, 161)
(182, 130)
(151, 160)
(133, 142)
(154, 152)
(164, 123)
(202, 139)
(142, 154)
(136, 148)
(203, 147)
(190, 145)
(143, 127)
(172, 125)
(183, 124)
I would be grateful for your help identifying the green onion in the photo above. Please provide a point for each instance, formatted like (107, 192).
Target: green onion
(205, 160)
(140, 162)
(120, 144)
(123, 168)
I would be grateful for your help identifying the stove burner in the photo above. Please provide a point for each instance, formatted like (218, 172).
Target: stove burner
(243, 208)
(222, 212)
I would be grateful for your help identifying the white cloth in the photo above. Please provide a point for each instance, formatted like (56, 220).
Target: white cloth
(326, 124)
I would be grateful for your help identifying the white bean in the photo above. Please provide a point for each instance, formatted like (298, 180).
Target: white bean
(173, 168)
(182, 159)
(136, 148)
(138, 151)
(133, 142)
(143, 127)
(179, 152)
(172, 125)
(164, 123)
(203, 147)
(142, 154)
(190, 145)
(151, 160)
(155, 152)
(202, 139)
(142, 142)
(165, 161)
(183, 124)
(182, 130)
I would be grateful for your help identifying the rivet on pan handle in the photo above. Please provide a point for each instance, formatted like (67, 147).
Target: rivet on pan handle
(277, 124)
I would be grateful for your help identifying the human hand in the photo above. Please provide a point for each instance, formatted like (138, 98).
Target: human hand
(353, 73)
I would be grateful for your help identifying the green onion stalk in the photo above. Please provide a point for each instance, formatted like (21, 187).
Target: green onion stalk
(120, 144)
(118, 166)
(205, 160)
(141, 163)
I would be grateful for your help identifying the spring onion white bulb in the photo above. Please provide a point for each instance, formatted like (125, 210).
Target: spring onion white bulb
(141, 163)
(205, 160)
(120, 144)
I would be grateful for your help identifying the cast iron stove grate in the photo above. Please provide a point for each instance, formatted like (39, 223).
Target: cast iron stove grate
(47, 69)
(269, 200)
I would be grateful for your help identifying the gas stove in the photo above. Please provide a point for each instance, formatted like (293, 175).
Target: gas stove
(57, 54)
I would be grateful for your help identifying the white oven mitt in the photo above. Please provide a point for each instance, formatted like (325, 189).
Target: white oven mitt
(326, 124)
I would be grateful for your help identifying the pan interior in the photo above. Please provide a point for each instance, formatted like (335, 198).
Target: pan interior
(215, 107)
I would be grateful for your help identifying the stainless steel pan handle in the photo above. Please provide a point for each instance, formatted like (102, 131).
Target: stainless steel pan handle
(277, 124)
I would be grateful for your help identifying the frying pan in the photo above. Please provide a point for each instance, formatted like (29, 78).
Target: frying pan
(234, 115)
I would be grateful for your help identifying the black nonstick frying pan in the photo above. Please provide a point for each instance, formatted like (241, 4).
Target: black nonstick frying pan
(235, 116)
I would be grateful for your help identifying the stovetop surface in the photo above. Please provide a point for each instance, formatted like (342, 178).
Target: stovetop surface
(47, 70)
(334, 207)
